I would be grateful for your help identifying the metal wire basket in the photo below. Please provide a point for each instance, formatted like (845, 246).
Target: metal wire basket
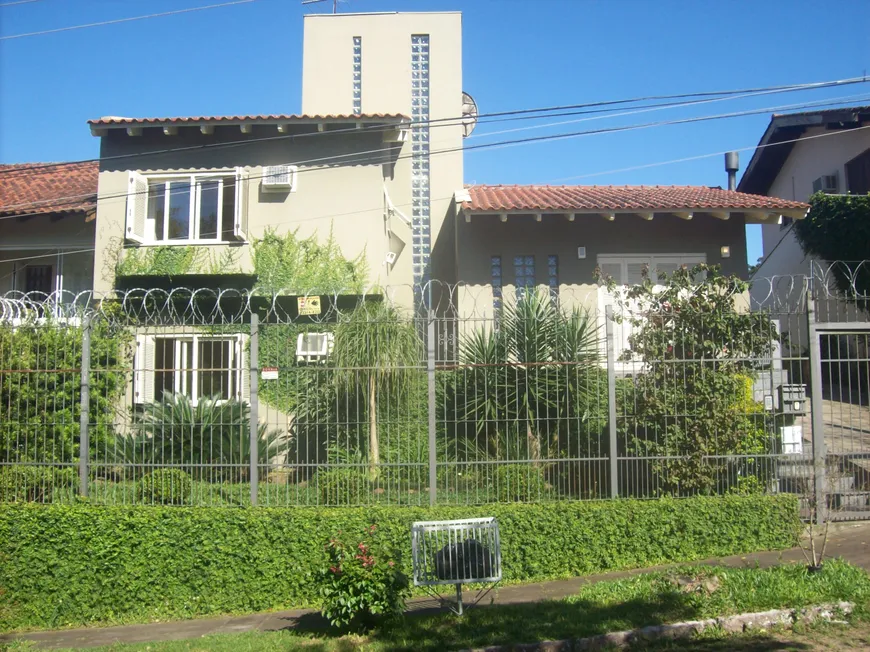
(456, 552)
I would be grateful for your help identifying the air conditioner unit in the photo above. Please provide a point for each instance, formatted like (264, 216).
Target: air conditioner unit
(314, 347)
(279, 178)
(828, 183)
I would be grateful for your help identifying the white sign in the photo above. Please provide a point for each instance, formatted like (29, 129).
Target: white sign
(269, 373)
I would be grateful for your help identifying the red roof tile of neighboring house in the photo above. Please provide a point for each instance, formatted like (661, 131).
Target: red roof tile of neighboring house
(63, 187)
(121, 121)
(496, 199)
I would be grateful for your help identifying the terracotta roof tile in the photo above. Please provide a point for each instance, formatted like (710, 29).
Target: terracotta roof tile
(494, 199)
(109, 121)
(65, 187)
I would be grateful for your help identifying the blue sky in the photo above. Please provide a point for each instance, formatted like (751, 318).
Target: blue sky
(517, 54)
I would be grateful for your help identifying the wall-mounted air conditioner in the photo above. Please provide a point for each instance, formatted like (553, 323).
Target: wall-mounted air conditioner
(280, 178)
(314, 347)
(827, 183)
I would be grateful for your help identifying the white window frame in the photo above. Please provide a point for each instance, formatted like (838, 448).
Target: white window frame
(196, 180)
(237, 356)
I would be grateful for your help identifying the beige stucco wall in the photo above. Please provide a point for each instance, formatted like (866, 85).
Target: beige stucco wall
(486, 236)
(327, 88)
(348, 198)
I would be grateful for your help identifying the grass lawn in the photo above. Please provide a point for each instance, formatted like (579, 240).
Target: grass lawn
(687, 593)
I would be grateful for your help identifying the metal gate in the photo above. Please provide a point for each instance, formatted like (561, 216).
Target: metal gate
(840, 373)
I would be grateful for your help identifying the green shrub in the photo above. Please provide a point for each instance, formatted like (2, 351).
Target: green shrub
(165, 487)
(360, 581)
(36, 484)
(343, 486)
(79, 564)
(519, 483)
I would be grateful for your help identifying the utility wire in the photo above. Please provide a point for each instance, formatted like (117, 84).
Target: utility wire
(16, 2)
(357, 158)
(124, 20)
(522, 114)
(407, 204)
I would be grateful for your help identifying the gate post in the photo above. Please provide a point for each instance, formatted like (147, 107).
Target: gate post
(430, 379)
(85, 408)
(611, 400)
(254, 385)
(816, 405)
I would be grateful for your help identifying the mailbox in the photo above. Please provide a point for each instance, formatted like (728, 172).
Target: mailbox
(793, 399)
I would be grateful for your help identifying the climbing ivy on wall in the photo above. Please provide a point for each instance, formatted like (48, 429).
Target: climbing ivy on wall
(837, 228)
(174, 260)
(289, 264)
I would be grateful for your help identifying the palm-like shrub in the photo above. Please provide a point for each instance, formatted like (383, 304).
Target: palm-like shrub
(528, 387)
(211, 436)
(375, 353)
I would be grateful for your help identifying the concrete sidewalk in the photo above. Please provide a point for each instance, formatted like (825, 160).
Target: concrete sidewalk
(851, 541)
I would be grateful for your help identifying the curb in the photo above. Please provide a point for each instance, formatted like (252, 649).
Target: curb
(729, 624)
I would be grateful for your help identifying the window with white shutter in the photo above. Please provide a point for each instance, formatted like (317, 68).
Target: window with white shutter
(137, 208)
(240, 224)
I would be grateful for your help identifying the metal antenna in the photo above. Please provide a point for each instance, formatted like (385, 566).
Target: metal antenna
(334, 4)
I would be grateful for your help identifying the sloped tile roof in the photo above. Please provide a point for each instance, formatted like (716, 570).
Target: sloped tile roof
(27, 188)
(618, 198)
(109, 121)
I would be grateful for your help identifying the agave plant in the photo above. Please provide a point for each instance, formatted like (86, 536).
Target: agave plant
(209, 435)
(526, 382)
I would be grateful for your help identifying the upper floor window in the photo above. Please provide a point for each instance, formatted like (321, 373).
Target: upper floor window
(357, 74)
(184, 208)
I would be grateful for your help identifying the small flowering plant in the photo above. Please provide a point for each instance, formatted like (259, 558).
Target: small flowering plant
(361, 582)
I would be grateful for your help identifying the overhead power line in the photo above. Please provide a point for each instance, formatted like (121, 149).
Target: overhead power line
(124, 20)
(363, 158)
(16, 2)
(520, 114)
(407, 204)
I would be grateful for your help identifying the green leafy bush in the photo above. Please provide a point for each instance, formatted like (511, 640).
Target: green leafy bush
(691, 405)
(25, 483)
(74, 565)
(361, 582)
(343, 486)
(518, 483)
(40, 389)
(165, 487)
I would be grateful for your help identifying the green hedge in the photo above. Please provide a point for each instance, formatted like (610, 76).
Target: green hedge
(71, 565)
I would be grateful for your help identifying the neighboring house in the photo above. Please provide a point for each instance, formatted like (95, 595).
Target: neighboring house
(47, 229)
(799, 154)
(513, 238)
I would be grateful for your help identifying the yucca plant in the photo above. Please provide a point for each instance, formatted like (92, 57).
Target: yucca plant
(210, 434)
(531, 379)
(375, 353)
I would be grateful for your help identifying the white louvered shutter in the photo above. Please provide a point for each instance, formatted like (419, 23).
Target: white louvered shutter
(137, 207)
(240, 223)
(143, 370)
(242, 363)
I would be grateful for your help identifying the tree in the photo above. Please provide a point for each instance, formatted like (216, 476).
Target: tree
(691, 407)
(376, 353)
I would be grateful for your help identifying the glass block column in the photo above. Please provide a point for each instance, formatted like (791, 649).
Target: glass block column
(357, 75)
(421, 237)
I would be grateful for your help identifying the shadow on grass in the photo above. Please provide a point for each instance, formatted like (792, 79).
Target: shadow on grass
(741, 643)
(530, 623)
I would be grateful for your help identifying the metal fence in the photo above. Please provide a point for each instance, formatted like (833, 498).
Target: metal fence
(245, 398)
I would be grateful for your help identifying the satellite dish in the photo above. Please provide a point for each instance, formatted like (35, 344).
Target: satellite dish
(469, 114)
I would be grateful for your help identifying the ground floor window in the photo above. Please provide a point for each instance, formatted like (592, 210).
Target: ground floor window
(524, 275)
(197, 366)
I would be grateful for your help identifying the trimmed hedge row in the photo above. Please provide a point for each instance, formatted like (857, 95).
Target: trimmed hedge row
(72, 565)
